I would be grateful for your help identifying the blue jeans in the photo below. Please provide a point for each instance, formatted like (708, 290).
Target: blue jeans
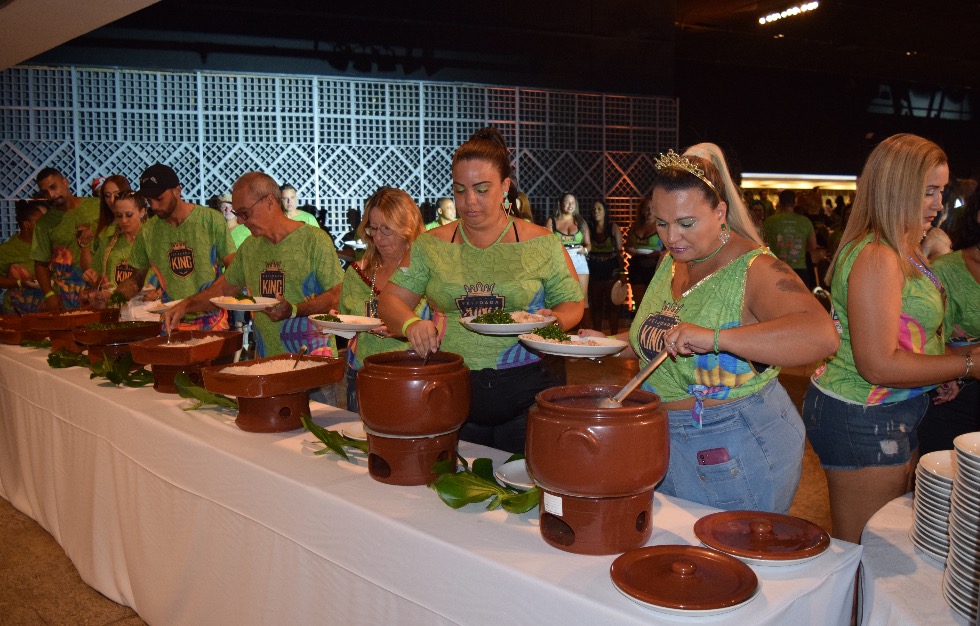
(764, 436)
(852, 436)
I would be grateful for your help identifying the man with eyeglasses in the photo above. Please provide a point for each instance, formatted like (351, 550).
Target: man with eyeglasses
(186, 245)
(283, 259)
(55, 248)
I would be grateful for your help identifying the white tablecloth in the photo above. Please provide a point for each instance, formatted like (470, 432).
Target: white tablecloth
(899, 583)
(189, 520)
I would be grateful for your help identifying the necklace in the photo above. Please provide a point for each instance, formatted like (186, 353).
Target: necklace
(705, 258)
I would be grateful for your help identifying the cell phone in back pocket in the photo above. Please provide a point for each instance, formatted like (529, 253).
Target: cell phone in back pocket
(714, 456)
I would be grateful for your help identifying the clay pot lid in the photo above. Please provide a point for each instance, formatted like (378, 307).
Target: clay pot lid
(687, 578)
(761, 535)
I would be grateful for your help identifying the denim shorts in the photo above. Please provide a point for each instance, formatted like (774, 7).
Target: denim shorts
(763, 436)
(852, 436)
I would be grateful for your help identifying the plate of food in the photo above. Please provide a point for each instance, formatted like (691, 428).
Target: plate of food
(514, 474)
(242, 302)
(500, 323)
(357, 323)
(555, 341)
(161, 307)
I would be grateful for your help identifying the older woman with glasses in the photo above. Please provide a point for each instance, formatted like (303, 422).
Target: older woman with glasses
(392, 225)
(486, 261)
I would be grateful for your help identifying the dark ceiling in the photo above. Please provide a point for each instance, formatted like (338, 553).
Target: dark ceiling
(736, 80)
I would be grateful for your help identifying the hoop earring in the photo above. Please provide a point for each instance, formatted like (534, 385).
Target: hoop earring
(725, 234)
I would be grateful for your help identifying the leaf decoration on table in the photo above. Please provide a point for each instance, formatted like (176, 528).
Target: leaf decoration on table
(44, 343)
(65, 358)
(333, 440)
(120, 371)
(187, 389)
(457, 489)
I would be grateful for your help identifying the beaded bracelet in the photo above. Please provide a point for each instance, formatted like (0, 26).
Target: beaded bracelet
(717, 333)
(409, 322)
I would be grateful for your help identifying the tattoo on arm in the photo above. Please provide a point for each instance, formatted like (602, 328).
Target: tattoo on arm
(790, 284)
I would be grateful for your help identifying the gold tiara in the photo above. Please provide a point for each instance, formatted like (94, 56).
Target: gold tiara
(674, 161)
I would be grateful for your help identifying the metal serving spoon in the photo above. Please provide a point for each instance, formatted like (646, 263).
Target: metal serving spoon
(617, 401)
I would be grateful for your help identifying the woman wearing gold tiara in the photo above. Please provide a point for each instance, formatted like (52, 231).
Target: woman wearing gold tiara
(729, 314)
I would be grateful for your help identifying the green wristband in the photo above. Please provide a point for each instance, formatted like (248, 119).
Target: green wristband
(408, 323)
(717, 332)
(48, 295)
(293, 313)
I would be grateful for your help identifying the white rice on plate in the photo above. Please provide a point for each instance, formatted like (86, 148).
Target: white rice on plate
(277, 366)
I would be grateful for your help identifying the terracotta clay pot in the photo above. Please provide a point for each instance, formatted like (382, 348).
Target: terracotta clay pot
(61, 325)
(273, 403)
(597, 467)
(169, 361)
(409, 461)
(398, 395)
(114, 341)
(576, 448)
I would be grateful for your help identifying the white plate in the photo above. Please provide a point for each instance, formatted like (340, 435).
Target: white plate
(514, 474)
(941, 464)
(354, 430)
(605, 348)
(969, 444)
(505, 329)
(768, 562)
(355, 323)
(642, 251)
(688, 612)
(161, 307)
(229, 303)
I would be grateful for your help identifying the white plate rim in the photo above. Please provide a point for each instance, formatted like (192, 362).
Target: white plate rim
(689, 612)
(353, 429)
(501, 474)
(163, 307)
(351, 325)
(609, 347)
(260, 303)
(505, 329)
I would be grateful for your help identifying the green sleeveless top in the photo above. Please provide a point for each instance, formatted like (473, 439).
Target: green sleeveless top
(357, 298)
(575, 239)
(715, 301)
(606, 245)
(961, 325)
(920, 331)
(650, 242)
(462, 280)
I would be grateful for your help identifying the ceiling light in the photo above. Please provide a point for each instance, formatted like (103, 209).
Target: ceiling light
(790, 12)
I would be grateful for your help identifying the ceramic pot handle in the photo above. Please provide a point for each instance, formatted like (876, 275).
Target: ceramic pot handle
(581, 434)
(431, 388)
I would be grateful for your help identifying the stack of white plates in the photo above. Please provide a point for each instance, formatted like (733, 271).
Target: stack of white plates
(961, 582)
(933, 489)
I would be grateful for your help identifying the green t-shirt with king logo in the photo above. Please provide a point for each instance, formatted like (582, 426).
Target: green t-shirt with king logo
(301, 266)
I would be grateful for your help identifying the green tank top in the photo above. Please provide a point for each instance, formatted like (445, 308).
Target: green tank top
(716, 301)
(919, 331)
(463, 280)
(961, 324)
(575, 239)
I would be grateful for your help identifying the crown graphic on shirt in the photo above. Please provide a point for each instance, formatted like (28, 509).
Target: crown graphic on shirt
(479, 289)
(672, 308)
(273, 265)
(178, 245)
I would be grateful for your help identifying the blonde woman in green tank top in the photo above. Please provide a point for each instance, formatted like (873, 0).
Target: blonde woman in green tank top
(864, 405)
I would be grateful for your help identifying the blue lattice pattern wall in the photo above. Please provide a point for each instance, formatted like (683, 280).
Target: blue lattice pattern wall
(335, 139)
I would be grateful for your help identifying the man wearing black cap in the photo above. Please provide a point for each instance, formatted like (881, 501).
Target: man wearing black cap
(185, 244)
(56, 249)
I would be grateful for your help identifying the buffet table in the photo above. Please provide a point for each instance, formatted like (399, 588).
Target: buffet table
(189, 520)
(899, 583)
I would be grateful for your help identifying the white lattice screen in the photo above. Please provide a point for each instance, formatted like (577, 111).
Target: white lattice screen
(336, 140)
